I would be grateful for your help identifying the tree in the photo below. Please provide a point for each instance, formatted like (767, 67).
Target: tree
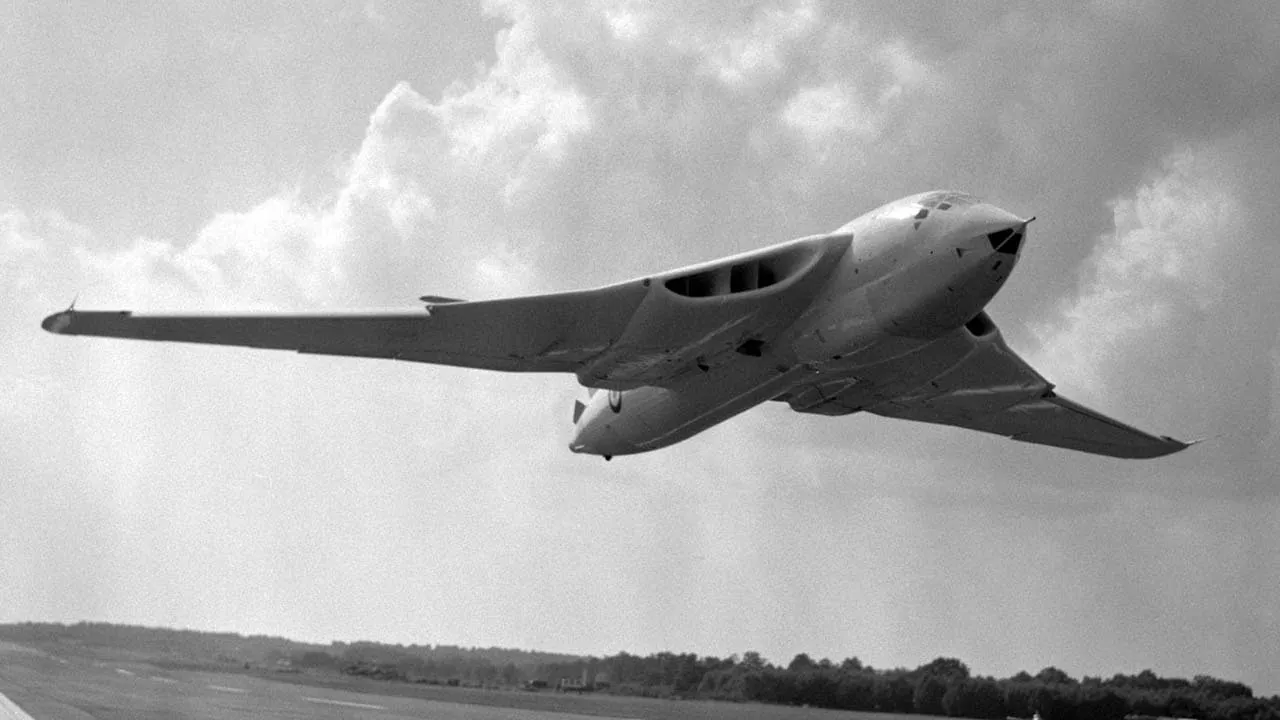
(1052, 675)
(688, 673)
(851, 664)
(816, 687)
(928, 695)
(1020, 698)
(974, 699)
(1221, 689)
(949, 668)
(801, 662)
(751, 660)
(1103, 704)
(893, 693)
(855, 691)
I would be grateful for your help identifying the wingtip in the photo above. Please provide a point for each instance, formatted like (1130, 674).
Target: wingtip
(1188, 443)
(58, 322)
(1173, 445)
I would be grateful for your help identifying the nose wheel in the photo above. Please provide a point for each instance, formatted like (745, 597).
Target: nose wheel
(607, 458)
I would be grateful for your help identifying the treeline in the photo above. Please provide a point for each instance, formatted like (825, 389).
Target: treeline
(261, 649)
(190, 644)
(945, 687)
(941, 687)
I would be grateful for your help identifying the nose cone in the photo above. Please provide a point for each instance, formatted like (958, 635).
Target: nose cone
(581, 442)
(600, 442)
(595, 435)
(992, 229)
(986, 218)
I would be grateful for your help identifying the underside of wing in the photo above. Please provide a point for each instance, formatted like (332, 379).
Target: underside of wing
(991, 389)
(541, 333)
(1047, 420)
(648, 331)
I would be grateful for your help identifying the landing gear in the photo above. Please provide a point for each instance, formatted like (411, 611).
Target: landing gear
(607, 458)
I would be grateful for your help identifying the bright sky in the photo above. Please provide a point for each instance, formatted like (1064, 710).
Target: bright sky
(174, 156)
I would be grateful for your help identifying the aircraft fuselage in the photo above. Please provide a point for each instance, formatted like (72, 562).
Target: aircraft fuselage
(861, 307)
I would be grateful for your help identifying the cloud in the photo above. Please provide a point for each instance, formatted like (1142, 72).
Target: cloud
(755, 51)
(432, 186)
(1161, 267)
(1168, 318)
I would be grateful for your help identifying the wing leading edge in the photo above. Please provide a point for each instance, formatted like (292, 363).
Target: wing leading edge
(542, 333)
(993, 390)
(1048, 420)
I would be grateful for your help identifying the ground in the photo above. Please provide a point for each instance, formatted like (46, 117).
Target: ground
(74, 683)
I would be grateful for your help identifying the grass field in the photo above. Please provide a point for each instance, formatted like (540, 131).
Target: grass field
(58, 683)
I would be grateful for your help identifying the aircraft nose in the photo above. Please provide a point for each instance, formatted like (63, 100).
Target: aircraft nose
(580, 443)
(1002, 230)
(986, 217)
(1009, 240)
(590, 439)
(594, 438)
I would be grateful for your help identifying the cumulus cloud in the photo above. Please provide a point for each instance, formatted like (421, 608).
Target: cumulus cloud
(1168, 319)
(1152, 277)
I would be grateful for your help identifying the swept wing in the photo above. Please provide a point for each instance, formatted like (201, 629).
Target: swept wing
(540, 333)
(988, 388)
(647, 331)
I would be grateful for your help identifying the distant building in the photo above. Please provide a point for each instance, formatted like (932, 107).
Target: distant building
(577, 685)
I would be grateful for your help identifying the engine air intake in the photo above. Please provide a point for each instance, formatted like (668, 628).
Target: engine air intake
(980, 325)
(1006, 241)
(746, 276)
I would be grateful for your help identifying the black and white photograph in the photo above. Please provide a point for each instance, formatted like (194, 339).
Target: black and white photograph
(555, 359)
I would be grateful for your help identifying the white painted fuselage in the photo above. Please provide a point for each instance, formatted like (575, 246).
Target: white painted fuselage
(883, 290)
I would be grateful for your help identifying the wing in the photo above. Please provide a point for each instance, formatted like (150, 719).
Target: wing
(648, 331)
(988, 391)
(985, 386)
(541, 333)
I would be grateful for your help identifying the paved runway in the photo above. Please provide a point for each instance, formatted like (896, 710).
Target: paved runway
(9, 710)
(68, 682)
(41, 686)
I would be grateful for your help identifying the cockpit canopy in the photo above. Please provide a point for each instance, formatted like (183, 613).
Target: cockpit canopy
(918, 207)
(947, 199)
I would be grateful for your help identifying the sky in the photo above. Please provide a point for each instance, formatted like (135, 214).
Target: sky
(334, 156)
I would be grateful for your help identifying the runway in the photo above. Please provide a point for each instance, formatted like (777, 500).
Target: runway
(9, 710)
(36, 685)
(69, 682)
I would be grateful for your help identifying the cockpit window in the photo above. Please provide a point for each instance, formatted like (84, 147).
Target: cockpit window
(945, 200)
